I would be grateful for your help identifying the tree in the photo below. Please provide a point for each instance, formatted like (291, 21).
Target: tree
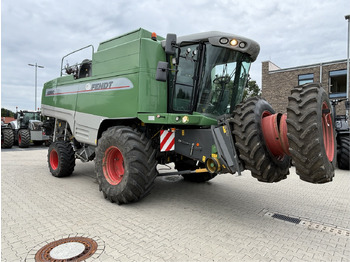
(7, 113)
(252, 89)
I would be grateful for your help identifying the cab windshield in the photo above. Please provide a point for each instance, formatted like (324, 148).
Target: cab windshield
(32, 116)
(208, 80)
(27, 116)
(223, 79)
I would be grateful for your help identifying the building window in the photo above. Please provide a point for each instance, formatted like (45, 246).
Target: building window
(304, 79)
(337, 84)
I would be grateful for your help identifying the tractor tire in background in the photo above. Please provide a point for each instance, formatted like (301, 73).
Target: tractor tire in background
(23, 138)
(343, 156)
(189, 164)
(250, 143)
(311, 134)
(61, 159)
(7, 138)
(125, 165)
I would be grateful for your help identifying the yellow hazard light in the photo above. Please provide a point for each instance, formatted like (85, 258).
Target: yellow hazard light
(185, 119)
(234, 42)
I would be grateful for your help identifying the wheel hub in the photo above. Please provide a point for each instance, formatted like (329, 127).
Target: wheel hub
(54, 159)
(327, 126)
(274, 128)
(113, 165)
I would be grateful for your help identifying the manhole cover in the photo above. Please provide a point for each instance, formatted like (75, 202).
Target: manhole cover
(67, 250)
(77, 248)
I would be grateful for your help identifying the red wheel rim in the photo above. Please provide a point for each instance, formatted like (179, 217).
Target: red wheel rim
(113, 165)
(328, 136)
(53, 159)
(19, 138)
(275, 134)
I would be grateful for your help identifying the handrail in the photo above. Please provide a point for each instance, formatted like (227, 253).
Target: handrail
(75, 52)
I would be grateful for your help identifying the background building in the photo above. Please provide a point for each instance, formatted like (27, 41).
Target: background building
(277, 82)
(7, 119)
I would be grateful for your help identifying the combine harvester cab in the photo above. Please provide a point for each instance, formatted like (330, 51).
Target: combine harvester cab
(142, 100)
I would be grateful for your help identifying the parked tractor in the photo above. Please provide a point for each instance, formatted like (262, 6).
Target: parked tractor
(28, 127)
(343, 135)
(142, 100)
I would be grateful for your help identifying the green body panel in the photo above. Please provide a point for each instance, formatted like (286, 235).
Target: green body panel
(66, 102)
(112, 104)
(152, 93)
(174, 118)
(122, 39)
(117, 60)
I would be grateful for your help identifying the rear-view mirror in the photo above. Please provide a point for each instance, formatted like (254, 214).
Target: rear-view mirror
(170, 44)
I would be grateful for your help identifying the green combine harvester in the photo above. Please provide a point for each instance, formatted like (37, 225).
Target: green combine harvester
(142, 100)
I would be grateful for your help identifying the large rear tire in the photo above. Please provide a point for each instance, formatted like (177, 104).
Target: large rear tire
(125, 165)
(6, 138)
(343, 156)
(61, 159)
(311, 133)
(23, 138)
(250, 144)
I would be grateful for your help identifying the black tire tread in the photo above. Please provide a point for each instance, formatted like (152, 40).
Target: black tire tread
(251, 149)
(303, 110)
(8, 138)
(25, 138)
(344, 153)
(66, 159)
(140, 155)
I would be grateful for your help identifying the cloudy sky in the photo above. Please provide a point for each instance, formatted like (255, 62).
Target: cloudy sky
(290, 32)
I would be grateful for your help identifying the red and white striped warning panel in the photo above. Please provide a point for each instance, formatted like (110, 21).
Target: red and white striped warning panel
(167, 140)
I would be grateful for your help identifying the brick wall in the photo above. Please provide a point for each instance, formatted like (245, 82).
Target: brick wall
(277, 82)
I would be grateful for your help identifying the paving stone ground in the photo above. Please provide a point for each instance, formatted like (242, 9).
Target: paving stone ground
(226, 219)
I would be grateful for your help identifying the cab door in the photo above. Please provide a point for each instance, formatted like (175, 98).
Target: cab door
(183, 80)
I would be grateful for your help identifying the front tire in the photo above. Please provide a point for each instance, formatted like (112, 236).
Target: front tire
(61, 159)
(125, 165)
(311, 133)
(250, 143)
(6, 138)
(23, 138)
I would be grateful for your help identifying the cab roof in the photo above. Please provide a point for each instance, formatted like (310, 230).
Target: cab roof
(222, 39)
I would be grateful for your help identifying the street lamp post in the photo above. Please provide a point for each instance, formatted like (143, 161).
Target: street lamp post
(36, 68)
